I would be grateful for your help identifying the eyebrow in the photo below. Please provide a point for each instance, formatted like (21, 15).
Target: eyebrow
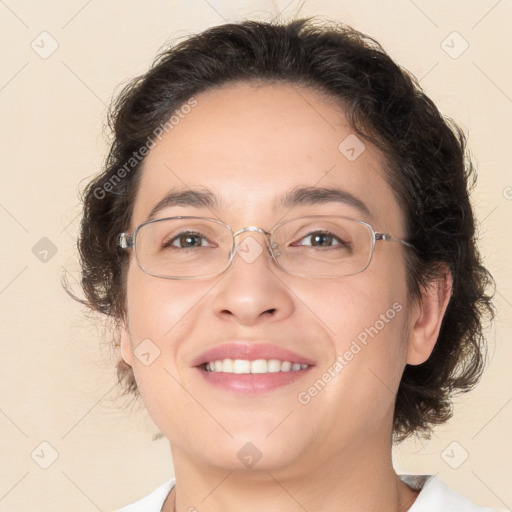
(299, 196)
(306, 196)
(196, 197)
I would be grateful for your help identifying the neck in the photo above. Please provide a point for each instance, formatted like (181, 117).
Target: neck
(361, 481)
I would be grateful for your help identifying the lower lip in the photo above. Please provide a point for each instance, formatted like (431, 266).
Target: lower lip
(250, 383)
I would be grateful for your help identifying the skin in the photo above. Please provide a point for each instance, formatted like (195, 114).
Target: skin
(248, 145)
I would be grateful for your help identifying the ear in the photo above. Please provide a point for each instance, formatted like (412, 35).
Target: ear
(426, 318)
(125, 343)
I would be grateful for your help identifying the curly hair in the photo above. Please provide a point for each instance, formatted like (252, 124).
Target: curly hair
(427, 165)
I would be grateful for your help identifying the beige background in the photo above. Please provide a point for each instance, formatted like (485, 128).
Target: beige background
(58, 383)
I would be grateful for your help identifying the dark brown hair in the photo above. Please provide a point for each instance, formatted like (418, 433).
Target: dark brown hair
(427, 166)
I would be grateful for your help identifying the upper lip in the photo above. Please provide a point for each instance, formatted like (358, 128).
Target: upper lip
(250, 351)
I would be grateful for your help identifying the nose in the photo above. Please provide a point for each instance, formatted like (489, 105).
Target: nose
(252, 289)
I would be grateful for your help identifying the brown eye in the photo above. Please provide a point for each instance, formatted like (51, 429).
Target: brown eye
(186, 240)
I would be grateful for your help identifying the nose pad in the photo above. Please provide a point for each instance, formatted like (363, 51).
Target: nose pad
(274, 251)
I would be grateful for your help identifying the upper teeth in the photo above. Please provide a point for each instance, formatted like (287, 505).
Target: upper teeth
(256, 366)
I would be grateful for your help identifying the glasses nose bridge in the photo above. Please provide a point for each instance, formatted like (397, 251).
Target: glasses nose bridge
(253, 229)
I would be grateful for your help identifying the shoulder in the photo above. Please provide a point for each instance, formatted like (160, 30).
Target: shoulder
(152, 502)
(436, 496)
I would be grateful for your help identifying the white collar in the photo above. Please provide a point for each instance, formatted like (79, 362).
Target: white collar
(434, 496)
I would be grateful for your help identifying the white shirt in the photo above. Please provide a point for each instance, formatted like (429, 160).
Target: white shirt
(434, 496)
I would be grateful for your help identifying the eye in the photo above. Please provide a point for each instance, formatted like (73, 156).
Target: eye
(186, 240)
(323, 239)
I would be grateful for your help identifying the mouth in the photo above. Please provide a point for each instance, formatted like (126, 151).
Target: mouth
(249, 368)
(259, 366)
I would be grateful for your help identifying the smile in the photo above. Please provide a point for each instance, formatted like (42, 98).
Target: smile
(245, 366)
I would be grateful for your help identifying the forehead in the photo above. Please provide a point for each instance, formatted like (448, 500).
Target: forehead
(251, 145)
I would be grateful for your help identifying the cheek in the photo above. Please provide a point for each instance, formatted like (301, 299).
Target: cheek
(160, 309)
(366, 307)
(162, 313)
(366, 315)
(359, 307)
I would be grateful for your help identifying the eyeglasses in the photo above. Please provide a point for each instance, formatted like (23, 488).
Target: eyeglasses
(196, 247)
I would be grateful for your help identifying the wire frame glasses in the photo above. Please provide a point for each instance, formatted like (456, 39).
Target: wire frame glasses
(317, 246)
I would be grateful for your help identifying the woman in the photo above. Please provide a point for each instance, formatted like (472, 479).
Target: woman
(284, 237)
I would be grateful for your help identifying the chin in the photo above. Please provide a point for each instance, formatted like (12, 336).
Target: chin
(255, 452)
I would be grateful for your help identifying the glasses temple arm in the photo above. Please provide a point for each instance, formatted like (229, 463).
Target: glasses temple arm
(390, 238)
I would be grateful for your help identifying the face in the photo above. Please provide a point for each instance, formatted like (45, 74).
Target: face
(250, 146)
